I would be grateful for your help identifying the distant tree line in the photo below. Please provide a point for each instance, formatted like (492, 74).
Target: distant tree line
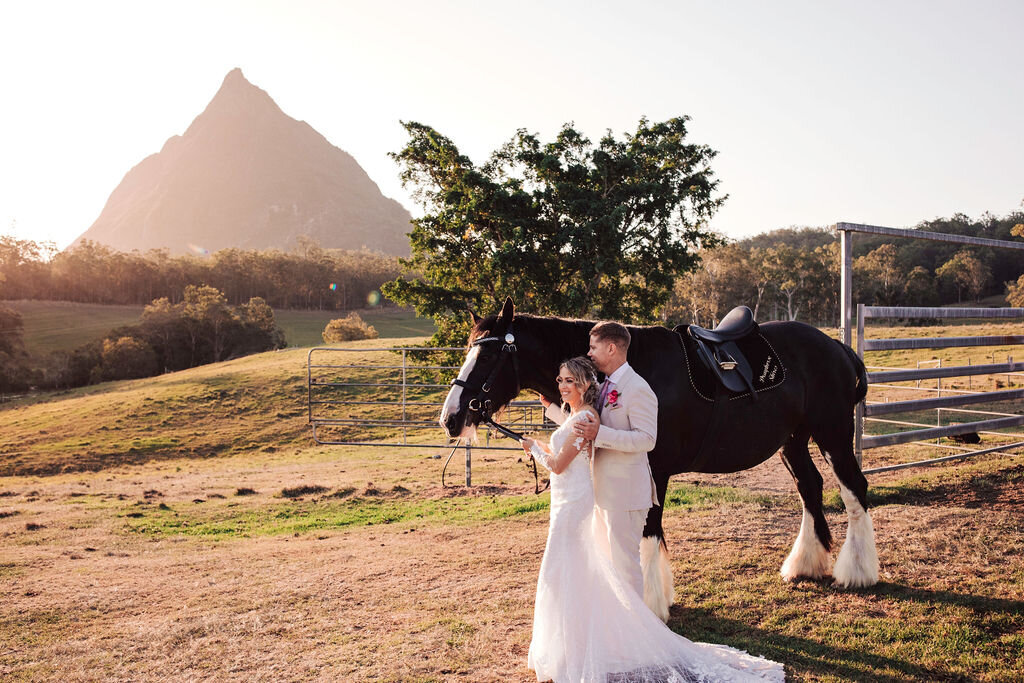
(793, 274)
(201, 328)
(308, 277)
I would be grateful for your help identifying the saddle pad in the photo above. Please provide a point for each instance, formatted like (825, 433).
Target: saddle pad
(768, 369)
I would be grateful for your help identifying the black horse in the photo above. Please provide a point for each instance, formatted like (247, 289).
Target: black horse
(806, 386)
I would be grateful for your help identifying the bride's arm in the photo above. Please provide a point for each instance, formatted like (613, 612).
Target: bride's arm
(556, 462)
(538, 450)
(568, 452)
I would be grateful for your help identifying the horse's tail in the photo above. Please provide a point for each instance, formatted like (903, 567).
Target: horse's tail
(862, 373)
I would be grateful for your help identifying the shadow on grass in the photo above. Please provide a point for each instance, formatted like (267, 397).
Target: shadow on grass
(1002, 487)
(983, 605)
(811, 658)
(803, 656)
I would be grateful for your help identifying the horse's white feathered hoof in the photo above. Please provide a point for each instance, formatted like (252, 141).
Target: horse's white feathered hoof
(808, 559)
(857, 565)
(659, 589)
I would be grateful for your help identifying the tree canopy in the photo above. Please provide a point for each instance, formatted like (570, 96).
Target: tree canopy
(566, 227)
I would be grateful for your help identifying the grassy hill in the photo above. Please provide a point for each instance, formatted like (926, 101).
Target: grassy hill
(61, 325)
(251, 403)
(254, 405)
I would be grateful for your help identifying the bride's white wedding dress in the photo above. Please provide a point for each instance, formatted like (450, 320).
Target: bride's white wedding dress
(590, 626)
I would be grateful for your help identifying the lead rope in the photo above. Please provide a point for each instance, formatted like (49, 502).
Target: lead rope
(537, 490)
(450, 455)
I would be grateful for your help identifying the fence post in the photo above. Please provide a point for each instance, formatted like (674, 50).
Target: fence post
(846, 288)
(469, 467)
(405, 395)
(858, 413)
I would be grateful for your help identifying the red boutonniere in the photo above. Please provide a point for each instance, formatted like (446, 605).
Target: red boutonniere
(613, 398)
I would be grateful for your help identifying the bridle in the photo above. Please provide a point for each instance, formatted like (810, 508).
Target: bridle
(481, 403)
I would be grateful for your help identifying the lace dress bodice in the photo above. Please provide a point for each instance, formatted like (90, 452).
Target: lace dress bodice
(574, 485)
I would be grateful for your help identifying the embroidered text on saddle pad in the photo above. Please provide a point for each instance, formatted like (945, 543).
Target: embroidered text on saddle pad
(764, 361)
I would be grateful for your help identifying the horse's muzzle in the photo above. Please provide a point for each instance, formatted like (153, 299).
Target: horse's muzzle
(453, 425)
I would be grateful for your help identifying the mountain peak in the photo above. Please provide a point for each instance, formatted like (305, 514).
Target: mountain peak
(247, 175)
(237, 94)
(235, 75)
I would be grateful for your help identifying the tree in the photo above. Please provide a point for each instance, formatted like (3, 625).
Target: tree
(259, 329)
(209, 318)
(565, 227)
(919, 290)
(879, 275)
(967, 272)
(1015, 292)
(787, 268)
(721, 282)
(15, 374)
(127, 358)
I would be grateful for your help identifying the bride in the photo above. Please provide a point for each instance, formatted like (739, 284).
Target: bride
(588, 624)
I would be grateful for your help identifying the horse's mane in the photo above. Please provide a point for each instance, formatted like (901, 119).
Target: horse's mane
(568, 337)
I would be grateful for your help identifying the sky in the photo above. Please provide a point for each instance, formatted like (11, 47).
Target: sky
(887, 113)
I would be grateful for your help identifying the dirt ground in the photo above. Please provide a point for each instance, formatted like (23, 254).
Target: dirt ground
(83, 599)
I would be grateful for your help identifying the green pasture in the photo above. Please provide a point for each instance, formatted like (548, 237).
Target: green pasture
(346, 507)
(62, 326)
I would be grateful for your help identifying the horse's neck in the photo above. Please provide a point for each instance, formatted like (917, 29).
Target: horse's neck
(559, 340)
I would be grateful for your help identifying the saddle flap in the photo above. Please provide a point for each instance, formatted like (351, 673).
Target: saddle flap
(728, 364)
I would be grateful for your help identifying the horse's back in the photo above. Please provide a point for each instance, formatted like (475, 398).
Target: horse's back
(828, 371)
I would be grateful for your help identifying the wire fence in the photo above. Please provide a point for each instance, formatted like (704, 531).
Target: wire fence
(392, 397)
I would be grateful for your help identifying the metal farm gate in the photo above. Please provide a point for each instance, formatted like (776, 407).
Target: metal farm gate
(953, 400)
(392, 397)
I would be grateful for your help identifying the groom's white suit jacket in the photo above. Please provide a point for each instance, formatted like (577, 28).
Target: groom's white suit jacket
(629, 430)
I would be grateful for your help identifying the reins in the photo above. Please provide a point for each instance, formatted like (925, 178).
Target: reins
(533, 462)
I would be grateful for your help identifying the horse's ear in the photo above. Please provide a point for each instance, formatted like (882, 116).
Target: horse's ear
(508, 311)
(474, 317)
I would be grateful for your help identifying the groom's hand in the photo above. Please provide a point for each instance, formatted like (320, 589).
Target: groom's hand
(587, 428)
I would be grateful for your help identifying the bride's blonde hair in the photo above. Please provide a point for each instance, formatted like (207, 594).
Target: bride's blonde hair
(584, 373)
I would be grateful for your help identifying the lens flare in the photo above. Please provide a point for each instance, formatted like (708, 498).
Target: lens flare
(334, 286)
(200, 251)
(373, 298)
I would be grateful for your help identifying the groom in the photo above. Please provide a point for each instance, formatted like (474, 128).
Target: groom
(623, 486)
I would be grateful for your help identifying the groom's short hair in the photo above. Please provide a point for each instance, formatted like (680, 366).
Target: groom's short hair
(614, 332)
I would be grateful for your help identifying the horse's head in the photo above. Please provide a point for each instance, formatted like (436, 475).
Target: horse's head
(489, 377)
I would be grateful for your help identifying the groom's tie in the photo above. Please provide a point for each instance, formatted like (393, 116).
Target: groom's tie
(606, 386)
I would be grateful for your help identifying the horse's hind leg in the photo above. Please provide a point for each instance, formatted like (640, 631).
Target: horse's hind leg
(810, 556)
(857, 564)
(659, 589)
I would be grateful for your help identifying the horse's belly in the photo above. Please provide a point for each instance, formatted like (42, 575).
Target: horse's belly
(744, 437)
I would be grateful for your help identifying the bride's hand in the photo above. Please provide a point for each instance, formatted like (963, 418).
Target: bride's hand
(527, 444)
